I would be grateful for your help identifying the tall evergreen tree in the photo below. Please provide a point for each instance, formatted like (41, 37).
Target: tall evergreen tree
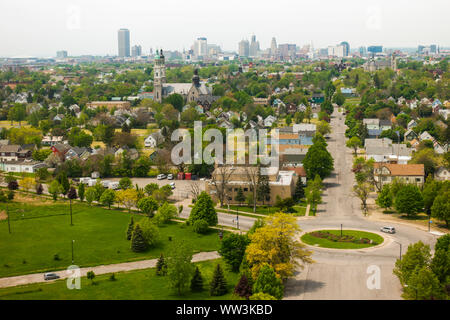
(299, 192)
(218, 284)
(130, 229)
(263, 188)
(138, 242)
(197, 281)
(161, 266)
(240, 196)
(64, 182)
(81, 191)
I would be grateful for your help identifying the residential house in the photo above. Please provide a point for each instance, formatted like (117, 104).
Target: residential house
(410, 135)
(372, 124)
(58, 117)
(385, 173)
(60, 150)
(52, 140)
(383, 150)
(444, 113)
(412, 124)
(77, 153)
(132, 153)
(269, 121)
(385, 124)
(442, 174)
(13, 152)
(26, 166)
(154, 140)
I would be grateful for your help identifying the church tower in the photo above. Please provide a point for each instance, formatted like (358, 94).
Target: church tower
(159, 80)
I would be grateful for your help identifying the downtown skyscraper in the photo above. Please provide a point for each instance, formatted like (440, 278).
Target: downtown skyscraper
(124, 43)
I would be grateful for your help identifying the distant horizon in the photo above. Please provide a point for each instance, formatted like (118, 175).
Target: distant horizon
(82, 27)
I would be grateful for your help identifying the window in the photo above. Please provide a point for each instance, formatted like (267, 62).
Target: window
(418, 179)
(246, 189)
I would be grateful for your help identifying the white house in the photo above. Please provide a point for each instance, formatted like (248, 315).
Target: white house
(268, 122)
(153, 140)
(27, 166)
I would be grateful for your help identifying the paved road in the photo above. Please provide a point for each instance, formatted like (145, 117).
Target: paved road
(111, 268)
(343, 274)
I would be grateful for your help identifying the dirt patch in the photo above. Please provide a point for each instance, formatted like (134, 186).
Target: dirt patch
(3, 215)
(31, 199)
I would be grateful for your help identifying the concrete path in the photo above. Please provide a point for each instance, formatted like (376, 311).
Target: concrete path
(102, 269)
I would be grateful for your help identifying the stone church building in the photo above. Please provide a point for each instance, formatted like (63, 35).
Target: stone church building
(195, 91)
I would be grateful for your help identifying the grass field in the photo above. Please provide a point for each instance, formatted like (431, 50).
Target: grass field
(136, 285)
(325, 243)
(39, 232)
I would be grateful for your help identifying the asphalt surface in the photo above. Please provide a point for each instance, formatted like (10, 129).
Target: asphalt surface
(343, 274)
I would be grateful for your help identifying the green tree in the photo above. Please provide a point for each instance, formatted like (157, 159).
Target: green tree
(166, 212)
(218, 286)
(313, 192)
(90, 195)
(384, 199)
(318, 160)
(423, 285)
(240, 197)
(150, 231)
(409, 200)
(150, 188)
(441, 207)
(108, 197)
(148, 205)
(180, 267)
(130, 229)
(81, 191)
(197, 281)
(429, 193)
(268, 282)
(138, 242)
(263, 187)
(354, 143)
(64, 181)
(362, 191)
(418, 255)
(54, 189)
(161, 266)
(200, 226)
(125, 183)
(90, 275)
(262, 296)
(232, 249)
(204, 210)
(299, 192)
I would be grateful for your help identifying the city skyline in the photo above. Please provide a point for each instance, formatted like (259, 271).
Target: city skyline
(87, 28)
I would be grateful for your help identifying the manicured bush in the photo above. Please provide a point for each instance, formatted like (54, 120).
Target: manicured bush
(200, 226)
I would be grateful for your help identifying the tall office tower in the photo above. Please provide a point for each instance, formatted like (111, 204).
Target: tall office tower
(159, 70)
(254, 47)
(61, 54)
(136, 51)
(287, 51)
(433, 48)
(362, 51)
(273, 47)
(124, 42)
(244, 48)
(336, 51)
(201, 47)
(346, 46)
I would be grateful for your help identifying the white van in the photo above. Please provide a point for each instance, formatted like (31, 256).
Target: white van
(161, 176)
(114, 185)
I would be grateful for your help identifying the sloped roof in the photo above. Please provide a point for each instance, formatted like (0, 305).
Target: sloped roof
(403, 169)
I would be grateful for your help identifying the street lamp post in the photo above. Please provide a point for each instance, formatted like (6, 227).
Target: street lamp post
(341, 230)
(400, 249)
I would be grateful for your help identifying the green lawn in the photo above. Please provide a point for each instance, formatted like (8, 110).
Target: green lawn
(308, 238)
(136, 285)
(300, 211)
(39, 232)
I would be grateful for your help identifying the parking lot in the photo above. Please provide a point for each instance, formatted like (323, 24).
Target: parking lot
(182, 187)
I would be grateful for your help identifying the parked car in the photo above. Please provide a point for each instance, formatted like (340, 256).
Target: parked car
(388, 229)
(161, 176)
(50, 276)
(172, 185)
(170, 176)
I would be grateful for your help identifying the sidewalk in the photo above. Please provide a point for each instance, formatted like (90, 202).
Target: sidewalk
(102, 269)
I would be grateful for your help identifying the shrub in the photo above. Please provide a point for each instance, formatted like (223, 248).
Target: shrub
(200, 226)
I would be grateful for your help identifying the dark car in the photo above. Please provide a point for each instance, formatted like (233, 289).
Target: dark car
(50, 276)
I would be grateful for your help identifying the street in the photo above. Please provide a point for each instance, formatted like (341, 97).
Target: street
(343, 274)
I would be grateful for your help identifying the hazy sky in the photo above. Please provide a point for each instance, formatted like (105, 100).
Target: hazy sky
(41, 27)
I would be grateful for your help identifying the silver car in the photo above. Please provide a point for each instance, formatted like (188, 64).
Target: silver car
(50, 276)
(388, 229)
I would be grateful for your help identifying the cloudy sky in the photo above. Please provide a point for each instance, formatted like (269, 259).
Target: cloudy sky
(40, 28)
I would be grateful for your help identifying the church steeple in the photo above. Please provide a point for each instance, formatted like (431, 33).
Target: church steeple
(159, 76)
